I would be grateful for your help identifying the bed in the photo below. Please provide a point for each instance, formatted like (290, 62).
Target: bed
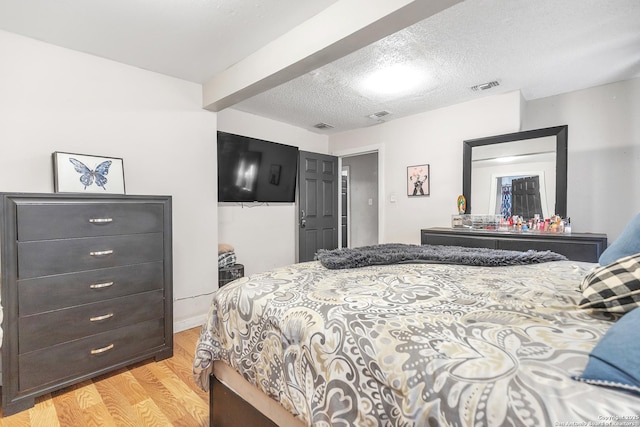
(410, 344)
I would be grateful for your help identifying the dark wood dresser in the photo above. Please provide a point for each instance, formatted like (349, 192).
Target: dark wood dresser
(575, 246)
(86, 288)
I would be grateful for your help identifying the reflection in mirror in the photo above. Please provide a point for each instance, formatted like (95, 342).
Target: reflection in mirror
(494, 168)
(522, 173)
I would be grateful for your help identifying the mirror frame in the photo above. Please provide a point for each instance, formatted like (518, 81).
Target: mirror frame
(560, 132)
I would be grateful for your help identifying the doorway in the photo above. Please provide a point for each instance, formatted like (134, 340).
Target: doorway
(360, 200)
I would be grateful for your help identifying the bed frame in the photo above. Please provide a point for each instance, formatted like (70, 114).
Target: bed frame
(232, 395)
(232, 410)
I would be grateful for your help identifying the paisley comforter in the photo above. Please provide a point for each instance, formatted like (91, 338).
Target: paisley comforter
(414, 344)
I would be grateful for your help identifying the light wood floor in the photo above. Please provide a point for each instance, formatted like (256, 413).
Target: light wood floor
(144, 394)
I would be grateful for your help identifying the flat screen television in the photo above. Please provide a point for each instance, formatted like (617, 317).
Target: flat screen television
(254, 170)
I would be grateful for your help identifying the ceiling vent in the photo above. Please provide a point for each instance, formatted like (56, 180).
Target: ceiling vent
(379, 114)
(322, 126)
(485, 86)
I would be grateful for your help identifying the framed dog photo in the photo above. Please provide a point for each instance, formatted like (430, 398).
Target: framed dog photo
(418, 180)
(84, 173)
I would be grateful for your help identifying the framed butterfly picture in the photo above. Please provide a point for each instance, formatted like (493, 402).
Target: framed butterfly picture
(83, 173)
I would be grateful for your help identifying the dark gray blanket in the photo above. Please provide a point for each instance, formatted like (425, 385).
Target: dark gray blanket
(391, 253)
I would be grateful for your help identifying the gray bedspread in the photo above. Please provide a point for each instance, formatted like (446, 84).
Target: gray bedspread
(414, 344)
(392, 253)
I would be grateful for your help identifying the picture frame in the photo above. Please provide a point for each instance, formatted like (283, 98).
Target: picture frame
(418, 180)
(85, 173)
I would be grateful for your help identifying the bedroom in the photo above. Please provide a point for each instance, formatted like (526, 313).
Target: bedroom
(54, 99)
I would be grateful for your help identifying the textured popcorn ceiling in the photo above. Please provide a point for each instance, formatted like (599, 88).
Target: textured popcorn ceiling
(541, 47)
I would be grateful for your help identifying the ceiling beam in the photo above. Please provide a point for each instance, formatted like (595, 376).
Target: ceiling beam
(337, 31)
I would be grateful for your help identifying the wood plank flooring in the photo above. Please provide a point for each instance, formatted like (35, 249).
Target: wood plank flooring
(144, 394)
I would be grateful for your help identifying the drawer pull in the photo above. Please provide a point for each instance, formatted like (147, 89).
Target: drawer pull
(98, 318)
(102, 350)
(100, 220)
(100, 253)
(101, 285)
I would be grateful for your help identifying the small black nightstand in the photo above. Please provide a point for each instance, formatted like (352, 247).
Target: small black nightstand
(229, 274)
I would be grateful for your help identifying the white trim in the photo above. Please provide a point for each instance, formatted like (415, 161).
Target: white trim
(183, 325)
(342, 169)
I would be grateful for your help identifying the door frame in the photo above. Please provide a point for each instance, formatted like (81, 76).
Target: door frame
(340, 207)
(367, 149)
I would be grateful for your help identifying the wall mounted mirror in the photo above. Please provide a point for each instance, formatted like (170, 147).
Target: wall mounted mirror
(522, 173)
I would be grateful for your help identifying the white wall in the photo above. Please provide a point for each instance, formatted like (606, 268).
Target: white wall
(263, 235)
(433, 138)
(604, 152)
(54, 99)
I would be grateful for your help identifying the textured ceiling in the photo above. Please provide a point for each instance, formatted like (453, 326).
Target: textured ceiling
(540, 47)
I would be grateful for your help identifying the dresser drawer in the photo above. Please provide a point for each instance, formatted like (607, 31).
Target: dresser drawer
(452, 240)
(55, 327)
(575, 250)
(48, 293)
(59, 221)
(89, 355)
(575, 246)
(43, 258)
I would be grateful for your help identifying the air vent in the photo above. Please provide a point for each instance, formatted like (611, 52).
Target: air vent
(485, 86)
(379, 114)
(323, 126)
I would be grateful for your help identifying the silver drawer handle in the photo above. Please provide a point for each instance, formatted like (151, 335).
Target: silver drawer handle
(101, 285)
(98, 318)
(99, 253)
(102, 350)
(100, 220)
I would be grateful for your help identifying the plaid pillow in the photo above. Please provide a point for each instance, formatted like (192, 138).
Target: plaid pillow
(614, 287)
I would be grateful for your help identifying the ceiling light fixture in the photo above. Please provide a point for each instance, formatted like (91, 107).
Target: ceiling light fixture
(394, 80)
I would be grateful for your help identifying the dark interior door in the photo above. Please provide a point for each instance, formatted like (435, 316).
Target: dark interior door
(317, 204)
(526, 197)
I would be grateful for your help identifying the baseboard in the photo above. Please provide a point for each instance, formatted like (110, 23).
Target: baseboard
(192, 322)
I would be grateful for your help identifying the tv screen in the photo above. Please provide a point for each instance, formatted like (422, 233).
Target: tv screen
(253, 170)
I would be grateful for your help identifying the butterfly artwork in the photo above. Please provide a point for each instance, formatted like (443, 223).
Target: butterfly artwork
(88, 176)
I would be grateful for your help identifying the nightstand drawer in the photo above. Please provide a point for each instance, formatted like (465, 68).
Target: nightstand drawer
(48, 293)
(89, 356)
(55, 327)
(59, 221)
(43, 258)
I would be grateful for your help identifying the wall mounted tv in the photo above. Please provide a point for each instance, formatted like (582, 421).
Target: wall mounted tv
(253, 170)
